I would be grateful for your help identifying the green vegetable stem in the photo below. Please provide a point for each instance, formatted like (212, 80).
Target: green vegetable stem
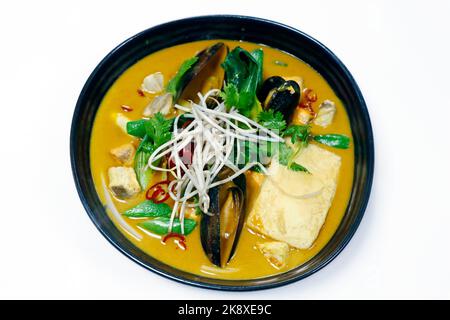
(154, 132)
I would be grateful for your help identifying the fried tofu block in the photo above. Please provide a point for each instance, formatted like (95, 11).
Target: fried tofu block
(292, 206)
(275, 252)
(123, 182)
(124, 153)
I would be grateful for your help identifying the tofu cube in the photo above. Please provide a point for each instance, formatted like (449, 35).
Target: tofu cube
(275, 252)
(124, 153)
(123, 182)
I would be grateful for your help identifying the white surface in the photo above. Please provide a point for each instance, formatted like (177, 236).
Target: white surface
(398, 52)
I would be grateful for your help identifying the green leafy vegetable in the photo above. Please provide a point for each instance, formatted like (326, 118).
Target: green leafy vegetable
(146, 145)
(272, 120)
(175, 84)
(286, 156)
(302, 133)
(298, 133)
(297, 167)
(149, 209)
(253, 152)
(143, 153)
(261, 151)
(160, 225)
(243, 74)
(258, 55)
(158, 129)
(230, 95)
(143, 174)
(275, 122)
(333, 140)
(300, 136)
(198, 211)
(136, 128)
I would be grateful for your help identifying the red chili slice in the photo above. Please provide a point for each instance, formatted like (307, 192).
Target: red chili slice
(149, 193)
(188, 122)
(126, 108)
(156, 193)
(160, 196)
(180, 239)
(140, 92)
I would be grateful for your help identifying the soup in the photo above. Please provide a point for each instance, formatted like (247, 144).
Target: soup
(225, 159)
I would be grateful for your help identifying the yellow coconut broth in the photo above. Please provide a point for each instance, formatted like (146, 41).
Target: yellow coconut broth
(248, 262)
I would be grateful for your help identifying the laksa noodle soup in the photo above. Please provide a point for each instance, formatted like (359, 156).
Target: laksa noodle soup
(224, 159)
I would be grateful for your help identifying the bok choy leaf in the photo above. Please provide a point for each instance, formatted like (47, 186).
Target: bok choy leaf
(155, 131)
(243, 74)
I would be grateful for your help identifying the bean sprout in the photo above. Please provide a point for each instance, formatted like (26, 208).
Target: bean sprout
(215, 133)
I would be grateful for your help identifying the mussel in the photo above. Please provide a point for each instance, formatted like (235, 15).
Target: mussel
(268, 85)
(280, 95)
(206, 71)
(221, 227)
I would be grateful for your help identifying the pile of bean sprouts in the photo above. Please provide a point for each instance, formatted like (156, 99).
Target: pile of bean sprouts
(215, 134)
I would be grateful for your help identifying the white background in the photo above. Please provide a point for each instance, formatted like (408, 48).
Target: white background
(399, 53)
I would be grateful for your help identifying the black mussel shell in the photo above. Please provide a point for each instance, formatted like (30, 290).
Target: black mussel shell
(220, 229)
(210, 229)
(205, 57)
(284, 99)
(268, 85)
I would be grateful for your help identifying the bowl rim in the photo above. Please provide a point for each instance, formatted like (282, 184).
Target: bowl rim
(370, 158)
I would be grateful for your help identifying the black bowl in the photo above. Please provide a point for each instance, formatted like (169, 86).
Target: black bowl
(235, 28)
